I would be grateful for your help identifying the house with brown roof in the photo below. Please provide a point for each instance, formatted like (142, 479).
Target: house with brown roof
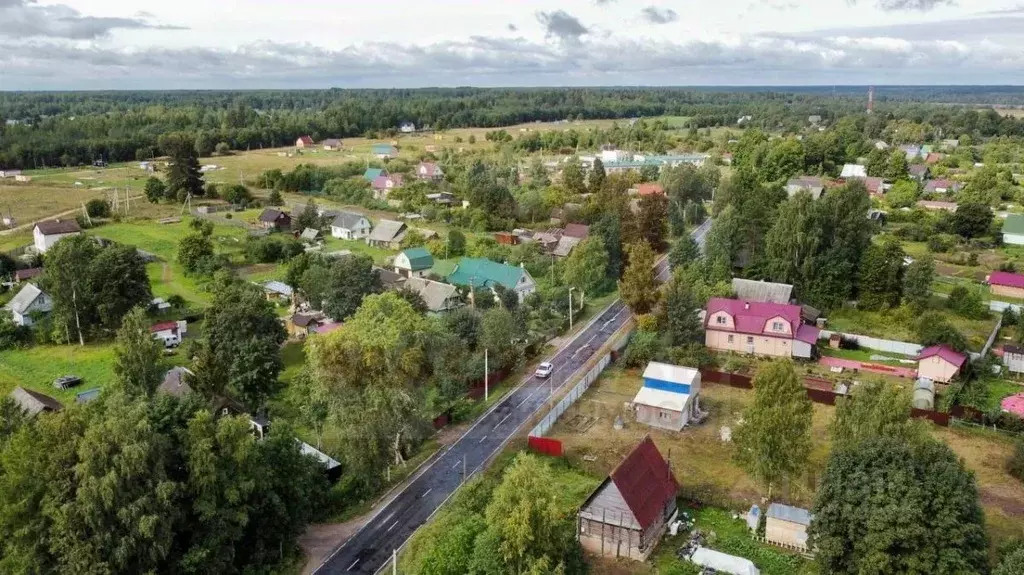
(33, 402)
(919, 172)
(332, 144)
(45, 234)
(935, 205)
(629, 512)
(26, 274)
(813, 184)
(304, 142)
(649, 189)
(300, 325)
(576, 231)
(272, 219)
(941, 186)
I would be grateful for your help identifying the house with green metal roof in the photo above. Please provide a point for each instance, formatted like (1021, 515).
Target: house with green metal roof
(1013, 230)
(385, 151)
(372, 174)
(481, 272)
(414, 262)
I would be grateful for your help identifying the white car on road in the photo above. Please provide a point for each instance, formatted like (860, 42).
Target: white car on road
(544, 370)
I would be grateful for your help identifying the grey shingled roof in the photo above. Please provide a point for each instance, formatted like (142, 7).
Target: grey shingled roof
(387, 231)
(751, 290)
(434, 294)
(174, 382)
(347, 220)
(21, 302)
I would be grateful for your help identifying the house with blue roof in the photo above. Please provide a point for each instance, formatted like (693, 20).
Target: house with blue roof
(668, 398)
(481, 272)
(372, 174)
(385, 151)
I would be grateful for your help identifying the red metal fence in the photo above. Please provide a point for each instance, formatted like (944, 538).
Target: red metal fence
(545, 445)
(828, 397)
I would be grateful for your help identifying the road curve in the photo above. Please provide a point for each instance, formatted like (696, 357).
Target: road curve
(371, 548)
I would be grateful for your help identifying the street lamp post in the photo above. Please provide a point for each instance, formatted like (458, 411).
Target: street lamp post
(570, 307)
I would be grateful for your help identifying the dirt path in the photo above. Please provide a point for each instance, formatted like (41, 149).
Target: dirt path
(320, 540)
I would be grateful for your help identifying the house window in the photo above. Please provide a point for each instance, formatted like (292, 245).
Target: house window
(750, 340)
(776, 326)
(730, 339)
(662, 415)
(720, 320)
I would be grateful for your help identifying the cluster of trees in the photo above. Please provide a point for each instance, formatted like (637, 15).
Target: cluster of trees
(892, 498)
(92, 287)
(524, 524)
(132, 484)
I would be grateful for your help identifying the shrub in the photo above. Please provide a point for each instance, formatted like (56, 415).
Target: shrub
(941, 243)
(966, 302)
(1016, 464)
(643, 347)
(98, 208)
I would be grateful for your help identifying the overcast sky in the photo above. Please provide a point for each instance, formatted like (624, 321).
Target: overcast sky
(160, 44)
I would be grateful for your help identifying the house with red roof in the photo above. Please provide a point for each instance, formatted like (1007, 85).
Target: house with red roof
(758, 328)
(429, 171)
(304, 142)
(940, 363)
(169, 332)
(629, 512)
(649, 189)
(1006, 284)
(382, 185)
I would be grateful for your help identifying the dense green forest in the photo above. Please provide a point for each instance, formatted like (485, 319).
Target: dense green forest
(71, 128)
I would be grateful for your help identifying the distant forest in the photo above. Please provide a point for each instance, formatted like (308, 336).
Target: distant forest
(72, 128)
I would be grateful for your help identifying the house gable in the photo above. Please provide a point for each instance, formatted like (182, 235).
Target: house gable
(778, 325)
(721, 320)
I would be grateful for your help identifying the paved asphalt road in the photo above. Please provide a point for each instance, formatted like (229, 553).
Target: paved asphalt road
(371, 548)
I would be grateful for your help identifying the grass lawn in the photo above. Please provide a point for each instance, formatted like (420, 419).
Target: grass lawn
(293, 354)
(379, 255)
(36, 368)
(732, 536)
(898, 324)
(32, 201)
(167, 279)
(863, 354)
(162, 239)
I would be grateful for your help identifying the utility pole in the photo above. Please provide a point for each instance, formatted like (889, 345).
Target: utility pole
(570, 308)
(486, 386)
(394, 562)
(463, 468)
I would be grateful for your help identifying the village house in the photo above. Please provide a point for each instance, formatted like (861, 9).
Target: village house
(332, 144)
(1006, 284)
(1013, 230)
(480, 272)
(33, 403)
(277, 291)
(169, 333)
(813, 184)
(919, 172)
(300, 325)
(372, 174)
(442, 198)
(853, 171)
(648, 189)
(388, 234)
(175, 383)
(429, 171)
(875, 186)
(272, 219)
(630, 511)
(382, 186)
(26, 274)
(47, 233)
(941, 186)
(1013, 358)
(912, 152)
(934, 158)
(304, 142)
(414, 262)
(385, 151)
(407, 128)
(310, 235)
(940, 363)
(390, 280)
(786, 526)
(935, 205)
(668, 397)
(28, 303)
(438, 296)
(350, 226)
(758, 328)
